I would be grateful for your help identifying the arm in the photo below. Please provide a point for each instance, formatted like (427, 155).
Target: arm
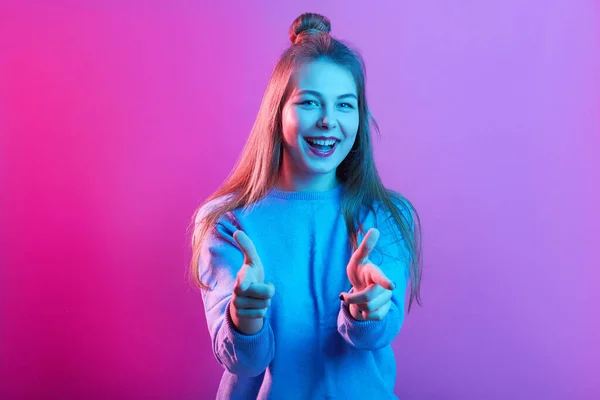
(392, 258)
(220, 261)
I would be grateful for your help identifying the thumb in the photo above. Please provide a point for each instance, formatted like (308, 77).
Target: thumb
(245, 277)
(368, 244)
(247, 247)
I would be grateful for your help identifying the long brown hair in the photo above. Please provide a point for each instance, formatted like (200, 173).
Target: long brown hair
(257, 169)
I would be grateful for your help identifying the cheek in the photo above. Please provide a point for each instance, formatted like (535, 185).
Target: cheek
(350, 126)
(304, 120)
(289, 123)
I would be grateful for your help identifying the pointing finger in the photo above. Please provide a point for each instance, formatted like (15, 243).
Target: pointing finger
(245, 243)
(365, 248)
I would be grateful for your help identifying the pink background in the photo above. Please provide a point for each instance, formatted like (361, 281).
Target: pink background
(116, 120)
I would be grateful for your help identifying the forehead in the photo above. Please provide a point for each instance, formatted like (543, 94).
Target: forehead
(325, 77)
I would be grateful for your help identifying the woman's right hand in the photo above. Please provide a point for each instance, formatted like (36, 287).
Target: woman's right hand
(251, 296)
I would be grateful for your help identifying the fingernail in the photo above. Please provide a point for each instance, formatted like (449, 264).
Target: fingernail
(393, 285)
(341, 297)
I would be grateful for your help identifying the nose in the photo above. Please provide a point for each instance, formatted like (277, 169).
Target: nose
(327, 120)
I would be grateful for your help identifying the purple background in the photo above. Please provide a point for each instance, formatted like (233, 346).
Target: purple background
(116, 120)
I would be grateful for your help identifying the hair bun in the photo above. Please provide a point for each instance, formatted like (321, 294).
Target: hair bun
(309, 23)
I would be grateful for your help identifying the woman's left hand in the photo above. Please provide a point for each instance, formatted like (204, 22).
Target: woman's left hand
(371, 298)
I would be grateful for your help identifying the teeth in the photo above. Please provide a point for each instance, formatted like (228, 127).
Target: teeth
(322, 142)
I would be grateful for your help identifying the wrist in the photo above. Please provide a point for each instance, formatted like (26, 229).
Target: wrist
(245, 326)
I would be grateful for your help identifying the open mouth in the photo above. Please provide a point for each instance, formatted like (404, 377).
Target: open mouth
(321, 145)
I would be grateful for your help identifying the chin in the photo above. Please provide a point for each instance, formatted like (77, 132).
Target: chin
(321, 169)
(322, 172)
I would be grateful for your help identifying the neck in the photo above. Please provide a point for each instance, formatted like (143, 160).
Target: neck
(296, 181)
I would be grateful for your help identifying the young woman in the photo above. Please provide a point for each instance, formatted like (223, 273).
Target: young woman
(302, 254)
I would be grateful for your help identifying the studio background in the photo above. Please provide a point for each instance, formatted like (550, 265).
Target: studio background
(118, 117)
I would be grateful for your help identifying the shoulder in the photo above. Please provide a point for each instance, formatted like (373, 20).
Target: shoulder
(384, 211)
(394, 219)
(226, 221)
(400, 202)
(210, 206)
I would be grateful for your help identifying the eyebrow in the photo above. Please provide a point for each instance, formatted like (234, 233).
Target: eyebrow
(315, 93)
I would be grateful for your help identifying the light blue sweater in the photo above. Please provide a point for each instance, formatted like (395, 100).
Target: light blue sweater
(310, 347)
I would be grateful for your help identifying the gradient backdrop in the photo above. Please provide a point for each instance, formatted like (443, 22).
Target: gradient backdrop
(117, 119)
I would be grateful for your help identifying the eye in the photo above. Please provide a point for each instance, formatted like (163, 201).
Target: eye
(346, 105)
(308, 103)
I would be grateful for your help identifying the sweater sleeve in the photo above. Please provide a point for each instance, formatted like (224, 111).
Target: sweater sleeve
(220, 260)
(392, 257)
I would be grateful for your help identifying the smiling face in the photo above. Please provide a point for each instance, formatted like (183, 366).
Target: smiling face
(320, 122)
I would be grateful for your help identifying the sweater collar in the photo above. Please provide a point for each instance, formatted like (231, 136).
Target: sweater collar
(334, 193)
